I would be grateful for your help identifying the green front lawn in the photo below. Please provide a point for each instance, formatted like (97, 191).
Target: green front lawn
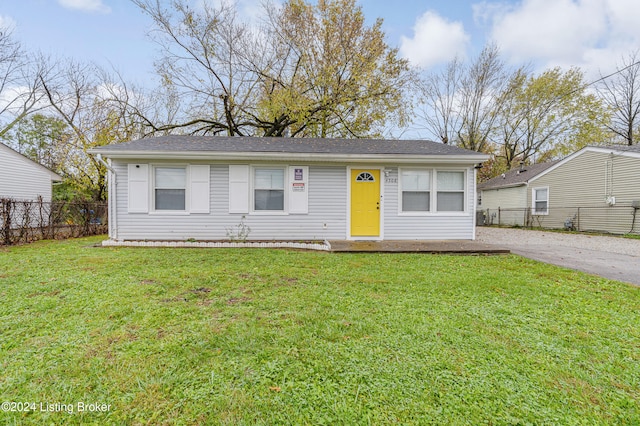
(217, 336)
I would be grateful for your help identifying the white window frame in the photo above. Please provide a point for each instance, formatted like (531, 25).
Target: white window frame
(187, 194)
(252, 191)
(430, 172)
(534, 209)
(465, 192)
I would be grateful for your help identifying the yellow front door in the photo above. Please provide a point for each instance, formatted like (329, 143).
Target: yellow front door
(365, 203)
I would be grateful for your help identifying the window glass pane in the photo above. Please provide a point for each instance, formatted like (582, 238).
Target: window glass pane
(414, 201)
(450, 201)
(541, 206)
(450, 181)
(171, 177)
(365, 177)
(541, 194)
(269, 179)
(170, 199)
(269, 199)
(415, 181)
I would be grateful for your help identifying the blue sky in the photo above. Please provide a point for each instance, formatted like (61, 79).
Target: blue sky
(592, 34)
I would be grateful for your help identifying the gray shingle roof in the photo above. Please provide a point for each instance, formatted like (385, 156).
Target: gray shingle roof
(515, 177)
(180, 143)
(623, 148)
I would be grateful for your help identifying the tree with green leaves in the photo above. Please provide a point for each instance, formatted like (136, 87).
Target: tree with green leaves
(340, 78)
(310, 70)
(81, 96)
(42, 138)
(547, 116)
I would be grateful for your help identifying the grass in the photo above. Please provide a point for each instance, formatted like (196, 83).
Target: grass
(198, 336)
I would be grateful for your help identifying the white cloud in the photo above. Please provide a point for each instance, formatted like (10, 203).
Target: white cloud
(591, 34)
(435, 41)
(7, 23)
(85, 5)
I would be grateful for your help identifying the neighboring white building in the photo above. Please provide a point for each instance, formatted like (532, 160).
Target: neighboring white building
(197, 187)
(596, 188)
(23, 179)
(507, 195)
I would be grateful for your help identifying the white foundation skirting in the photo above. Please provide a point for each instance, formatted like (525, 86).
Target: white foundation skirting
(325, 246)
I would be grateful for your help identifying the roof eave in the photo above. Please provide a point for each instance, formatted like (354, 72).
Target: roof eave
(511, 185)
(315, 157)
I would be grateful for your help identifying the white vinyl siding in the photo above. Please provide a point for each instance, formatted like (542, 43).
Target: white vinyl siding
(426, 226)
(326, 217)
(21, 178)
(511, 202)
(326, 207)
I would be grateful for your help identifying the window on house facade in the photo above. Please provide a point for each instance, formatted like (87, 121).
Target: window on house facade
(416, 190)
(170, 188)
(269, 189)
(450, 196)
(540, 200)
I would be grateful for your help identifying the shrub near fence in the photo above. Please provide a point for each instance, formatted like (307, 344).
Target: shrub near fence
(27, 221)
(609, 219)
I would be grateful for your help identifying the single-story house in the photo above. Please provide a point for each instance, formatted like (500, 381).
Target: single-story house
(596, 188)
(505, 198)
(202, 188)
(22, 179)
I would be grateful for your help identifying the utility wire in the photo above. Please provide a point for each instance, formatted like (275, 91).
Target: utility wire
(599, 80)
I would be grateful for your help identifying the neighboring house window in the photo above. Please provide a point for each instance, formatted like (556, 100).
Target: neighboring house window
(416, 190)
(269, 189)
(170, 188)
(540, 200)
(450, 196)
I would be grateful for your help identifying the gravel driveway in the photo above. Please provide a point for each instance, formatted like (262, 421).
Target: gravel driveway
(610, 257)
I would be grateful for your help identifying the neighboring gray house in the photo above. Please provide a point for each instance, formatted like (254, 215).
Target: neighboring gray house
(197, 187)
(596, 188)
(23, 179)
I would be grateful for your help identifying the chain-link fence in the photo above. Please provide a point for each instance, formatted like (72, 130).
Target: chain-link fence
(609, 219)
(27, 221)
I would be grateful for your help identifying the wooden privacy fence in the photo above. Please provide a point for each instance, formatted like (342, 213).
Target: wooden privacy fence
(27, 221)
(608, 219)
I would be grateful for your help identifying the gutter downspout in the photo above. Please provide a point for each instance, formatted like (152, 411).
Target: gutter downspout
(111, 185)
(475, 202)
